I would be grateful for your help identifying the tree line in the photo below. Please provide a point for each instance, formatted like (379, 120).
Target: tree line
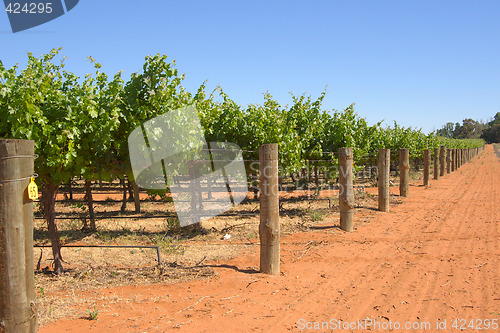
(473, 129)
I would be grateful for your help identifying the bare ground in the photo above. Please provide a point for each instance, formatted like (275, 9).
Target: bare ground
(432, 258)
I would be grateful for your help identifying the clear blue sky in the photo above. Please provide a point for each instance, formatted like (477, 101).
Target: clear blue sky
(421, 63)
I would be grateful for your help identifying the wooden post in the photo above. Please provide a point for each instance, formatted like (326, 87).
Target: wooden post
(17, 279)
(456, 159)
(453, 159)
(404, 170)
(442, 158)
(436, 163)
(448, 160)
(427, 165)
(384, 164)
(269, 228)
(346, 190)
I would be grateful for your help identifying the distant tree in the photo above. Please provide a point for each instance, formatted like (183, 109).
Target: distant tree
(446, 131)
(470, 129)
(492, 133)
(496, 120)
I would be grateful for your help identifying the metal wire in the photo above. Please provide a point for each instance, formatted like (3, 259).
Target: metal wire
(19, 156)
(115, 246)
(35, 175)
(145, 217)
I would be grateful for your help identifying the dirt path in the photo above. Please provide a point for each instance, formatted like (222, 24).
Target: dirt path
(432, 258)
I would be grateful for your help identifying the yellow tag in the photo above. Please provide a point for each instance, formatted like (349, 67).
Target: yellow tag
(32, 190)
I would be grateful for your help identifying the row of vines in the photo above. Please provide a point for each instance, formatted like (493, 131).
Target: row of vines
(80, 125)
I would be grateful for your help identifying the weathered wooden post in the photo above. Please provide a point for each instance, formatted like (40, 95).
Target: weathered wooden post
(442, 158)
(269, 228)
(384, 167)
(346, 191)
(436, 163)
(427, 165)
(448, 160)
(456, 159)
(404, 172)
(17, 279)
(453, 159)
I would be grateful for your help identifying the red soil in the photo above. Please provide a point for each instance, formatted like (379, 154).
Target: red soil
(433, 258)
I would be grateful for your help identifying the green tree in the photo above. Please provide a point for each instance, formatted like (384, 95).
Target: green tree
(39, 104)
(492, 132)
(446, 131)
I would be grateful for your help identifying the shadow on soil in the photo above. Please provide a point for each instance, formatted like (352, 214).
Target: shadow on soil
(235, 268)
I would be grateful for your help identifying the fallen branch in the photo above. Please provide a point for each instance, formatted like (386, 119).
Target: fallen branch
(479, 265)
(225, 229)
(202, 260)
(225, 298)
(180, 324)
(198, 301)
(251, 283)
(446, 283)
(304, 253)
